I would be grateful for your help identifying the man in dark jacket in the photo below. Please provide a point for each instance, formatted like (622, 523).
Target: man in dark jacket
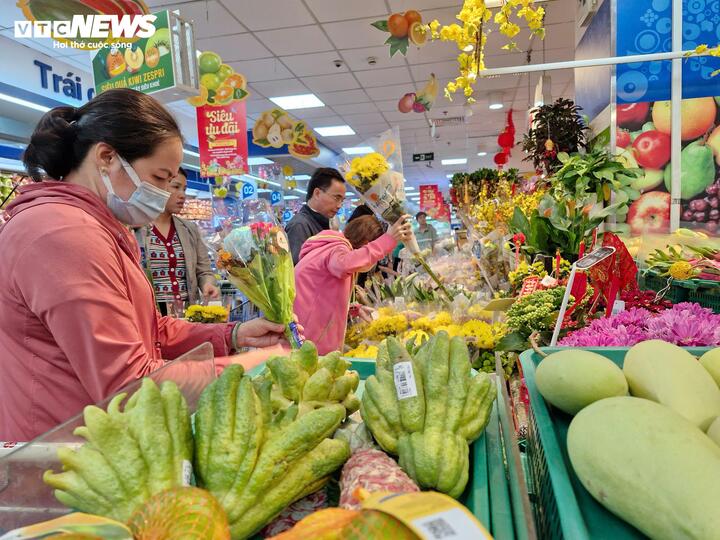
(325, 197)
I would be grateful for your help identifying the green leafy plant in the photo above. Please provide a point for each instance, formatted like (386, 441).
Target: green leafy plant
(596, 172)
(557, 127)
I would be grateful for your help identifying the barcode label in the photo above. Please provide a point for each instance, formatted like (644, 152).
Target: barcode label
(186, 472)
(452, 524)
(404, 380)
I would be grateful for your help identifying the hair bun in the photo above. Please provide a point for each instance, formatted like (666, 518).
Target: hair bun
(51, 144)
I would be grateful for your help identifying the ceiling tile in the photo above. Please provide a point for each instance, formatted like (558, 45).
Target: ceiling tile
(324, 115)
(211, 18)
(322, 120)
(331, 83)
(267, 69)
(334, 10)
(344, 97)
(414, 124)
(397, 116)
(403, 5)
(384, 77)
(357, 59)
(355, 108)
(300, 40)
(387, 105)
(304, 65)
(267, 14)
(360, 119)
(256, 106)
(284, 87)
(369, 130)
(234, 48)
(435, 52)
(421, 72)
(383, 93)
(355, 34)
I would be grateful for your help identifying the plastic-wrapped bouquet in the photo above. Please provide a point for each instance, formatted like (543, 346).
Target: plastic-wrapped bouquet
(378, 180)
(257, 258)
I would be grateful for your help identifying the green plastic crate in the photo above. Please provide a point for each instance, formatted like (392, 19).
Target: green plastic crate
(563, 508)
(702, 291)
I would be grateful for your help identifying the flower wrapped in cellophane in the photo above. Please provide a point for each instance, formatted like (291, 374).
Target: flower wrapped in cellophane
(256, 256)
(377, 178)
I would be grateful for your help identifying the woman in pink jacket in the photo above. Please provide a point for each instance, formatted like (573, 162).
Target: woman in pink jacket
(325, 275)
(78, 318)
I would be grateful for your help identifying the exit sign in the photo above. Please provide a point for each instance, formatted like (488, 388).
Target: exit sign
(427, 156)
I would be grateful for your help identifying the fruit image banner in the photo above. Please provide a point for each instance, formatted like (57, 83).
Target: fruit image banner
(644, 27)
(276, 128)
(643, 140)
(222, 139)
(147, 65)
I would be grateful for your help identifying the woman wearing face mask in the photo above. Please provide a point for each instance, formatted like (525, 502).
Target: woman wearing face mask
(180, 279)
(78, 319)
(324, 277)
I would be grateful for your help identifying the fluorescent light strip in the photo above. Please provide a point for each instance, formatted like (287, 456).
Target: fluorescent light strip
(481, 154)
(409, 188)
(264, 190)
(190, 152)
(449, 175)
(24, 103)
(454, 161)
(291, 197)
(193, 167)
(301, 177)
(335, 131)
(356, 150)
(300, 101)
(259, 161)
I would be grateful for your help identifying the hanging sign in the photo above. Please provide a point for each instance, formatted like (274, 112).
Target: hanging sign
(221, 118)
(276, 128)
(430, 199)
(287, 216)
(427, 156)
(248, 190)
(275, 197)
(145, 65)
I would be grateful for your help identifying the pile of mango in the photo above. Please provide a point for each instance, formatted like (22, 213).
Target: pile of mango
(651, 457)
(426, 408)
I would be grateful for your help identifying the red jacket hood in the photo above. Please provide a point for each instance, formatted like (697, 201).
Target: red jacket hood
(52, 192)
(324, 241)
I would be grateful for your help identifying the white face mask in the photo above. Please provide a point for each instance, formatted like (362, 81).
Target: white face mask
(146, 203)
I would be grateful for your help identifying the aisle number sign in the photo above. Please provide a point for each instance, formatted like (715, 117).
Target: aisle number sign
(275, 197)
(248, 190)
(147, 65)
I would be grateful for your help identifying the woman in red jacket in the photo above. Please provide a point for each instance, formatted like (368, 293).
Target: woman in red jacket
(329, 264)
(78, 320)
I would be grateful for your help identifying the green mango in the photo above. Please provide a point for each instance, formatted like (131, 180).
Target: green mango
(698, 170)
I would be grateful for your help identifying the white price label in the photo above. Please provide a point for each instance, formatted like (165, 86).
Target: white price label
(404, 380)
(618, 306)
(451, 524)
(186, 472)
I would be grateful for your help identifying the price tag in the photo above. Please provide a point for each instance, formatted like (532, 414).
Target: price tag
(453, 524)
(618, 306)
(529, 286)
(594, 257)
(404, 380)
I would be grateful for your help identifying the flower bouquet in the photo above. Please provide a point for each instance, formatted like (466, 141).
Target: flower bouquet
(378, 180)
(257, 259)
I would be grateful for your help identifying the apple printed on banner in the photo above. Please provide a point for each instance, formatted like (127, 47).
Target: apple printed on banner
(652, 149)
(632, 115)
(650, 213)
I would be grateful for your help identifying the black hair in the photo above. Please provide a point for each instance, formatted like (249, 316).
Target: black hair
(322, 179)
(183, 172)
(131, 122)
(361, 210)
(421, 213)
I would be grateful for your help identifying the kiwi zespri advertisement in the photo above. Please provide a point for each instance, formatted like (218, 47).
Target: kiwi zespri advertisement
(145, 65)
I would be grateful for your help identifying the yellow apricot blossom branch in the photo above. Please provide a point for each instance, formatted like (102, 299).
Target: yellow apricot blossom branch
(471, 36)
